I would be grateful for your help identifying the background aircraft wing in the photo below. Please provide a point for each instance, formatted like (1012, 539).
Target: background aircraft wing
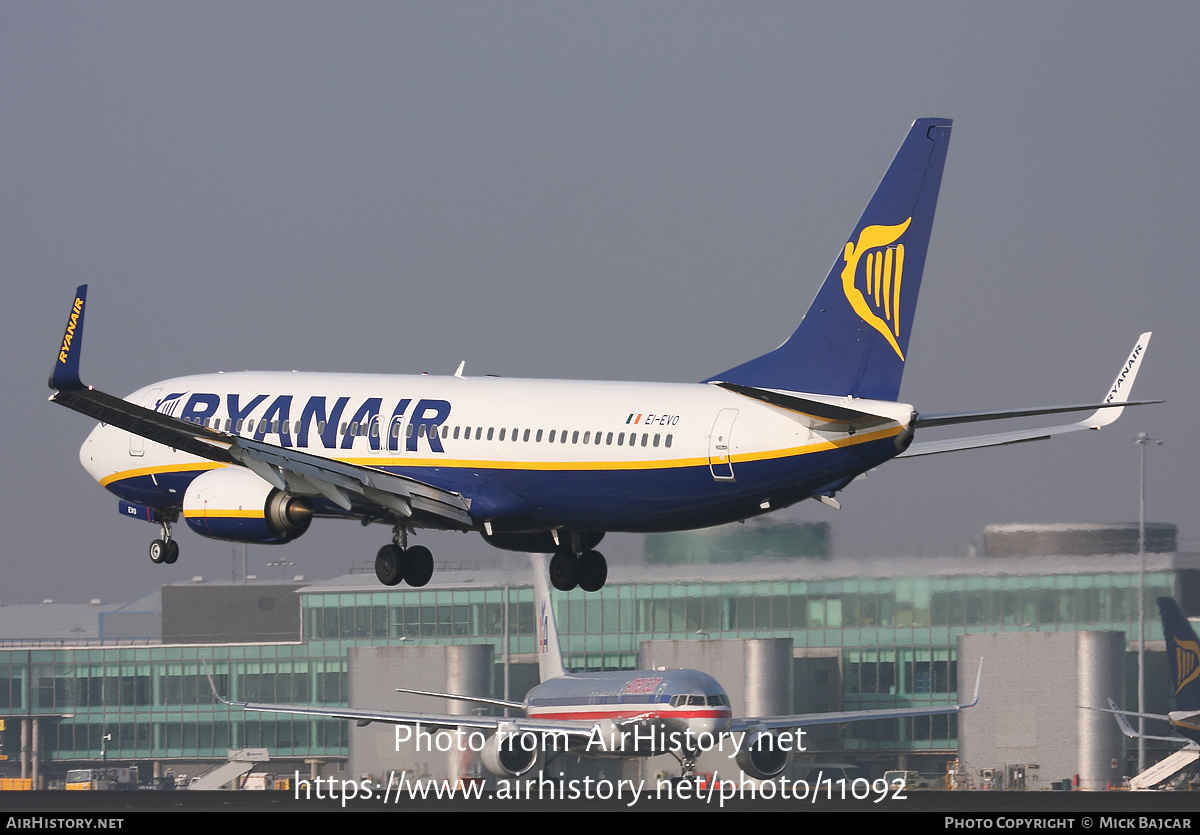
(347, 485)
(1104, 413)
(841, 717)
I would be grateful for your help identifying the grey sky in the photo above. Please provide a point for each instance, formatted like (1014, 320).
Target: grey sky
(598, 190)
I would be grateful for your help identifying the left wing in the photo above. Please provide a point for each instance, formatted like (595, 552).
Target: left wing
(1103, 413)
(843, 717)
(349, 486)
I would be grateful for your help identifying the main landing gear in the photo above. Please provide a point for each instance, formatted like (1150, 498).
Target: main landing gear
(396, 562)
(165, 550)
(588, 570)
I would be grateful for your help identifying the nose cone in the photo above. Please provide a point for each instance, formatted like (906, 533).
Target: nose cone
(92, 455)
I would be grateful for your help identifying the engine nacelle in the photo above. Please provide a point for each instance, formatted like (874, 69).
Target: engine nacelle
(761, 755)
(233, 503)
(511, 754)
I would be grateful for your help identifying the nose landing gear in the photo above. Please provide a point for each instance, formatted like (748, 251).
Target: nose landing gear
(165, 550)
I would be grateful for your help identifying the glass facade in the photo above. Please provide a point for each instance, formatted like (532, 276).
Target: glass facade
(895, 637)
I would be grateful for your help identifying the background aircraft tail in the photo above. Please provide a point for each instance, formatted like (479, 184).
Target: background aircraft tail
(550, 662)
(854, 338)
(1183, 654)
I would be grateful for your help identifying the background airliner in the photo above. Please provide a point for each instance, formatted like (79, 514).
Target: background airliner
(1183, 659)
(644, 713)
(550, 466)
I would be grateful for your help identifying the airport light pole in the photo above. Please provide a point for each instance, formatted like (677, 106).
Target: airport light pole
(1142, 440)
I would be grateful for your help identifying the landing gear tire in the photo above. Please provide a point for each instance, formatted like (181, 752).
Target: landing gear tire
(172, 552)
(158, 551)
(593, 571)
(391, 564)
(420, 566)
(564, 571)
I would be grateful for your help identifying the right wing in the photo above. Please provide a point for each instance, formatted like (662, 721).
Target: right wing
(1103, 413)
(349, 486)
(846, 716)
(429, 721)
(1122, 717)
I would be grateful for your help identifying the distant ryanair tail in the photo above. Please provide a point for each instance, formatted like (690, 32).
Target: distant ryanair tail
(1183, 655)
(854, 338)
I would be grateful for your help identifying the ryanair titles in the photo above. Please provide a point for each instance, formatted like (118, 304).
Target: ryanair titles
(328, 422)
(69, 336)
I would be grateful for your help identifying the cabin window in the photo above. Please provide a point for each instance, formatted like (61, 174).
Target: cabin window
(564, 437)
(408, 431)
(608, 440)
(320, 427)
(538, 437)
(479, 431)
(525, 437)
(551, 436)
(621, 439)
(587, 436)
(656, 437)
(669, 441)
(502, 429)
(514, 435)
(446, 430)
(645, 438)
(490, 430)
(456, 432)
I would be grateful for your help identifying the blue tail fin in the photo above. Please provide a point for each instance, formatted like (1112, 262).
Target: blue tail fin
(1183, 654)
(854, 338)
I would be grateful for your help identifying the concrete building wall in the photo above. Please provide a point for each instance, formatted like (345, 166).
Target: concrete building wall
(374, 673)
(1028, 712)
(230, 613)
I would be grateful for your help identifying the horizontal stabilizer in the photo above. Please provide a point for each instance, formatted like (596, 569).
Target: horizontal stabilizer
(1102, 414)
(816, 412)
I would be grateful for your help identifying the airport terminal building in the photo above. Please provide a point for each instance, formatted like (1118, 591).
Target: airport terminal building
(799, 635)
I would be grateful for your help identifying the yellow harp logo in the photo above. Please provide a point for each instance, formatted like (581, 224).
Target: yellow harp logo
(1187, 663)
(876, 298)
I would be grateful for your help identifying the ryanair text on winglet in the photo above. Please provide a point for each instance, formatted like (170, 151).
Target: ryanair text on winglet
(76, 309)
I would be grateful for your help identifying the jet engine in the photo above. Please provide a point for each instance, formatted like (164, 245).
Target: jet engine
(233, 503)
(761, 755)
(511, 754)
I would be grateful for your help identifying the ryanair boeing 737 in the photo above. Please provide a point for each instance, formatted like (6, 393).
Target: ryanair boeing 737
(550, 466)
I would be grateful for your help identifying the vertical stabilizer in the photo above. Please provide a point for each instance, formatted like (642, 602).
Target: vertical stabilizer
(1183, 655)
(854, 338)
(550, 664)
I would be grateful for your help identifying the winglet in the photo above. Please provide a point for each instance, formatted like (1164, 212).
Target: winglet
(65, 376)
(212, 685)
(1122, 722)
(978, 681)
(1118, 392)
